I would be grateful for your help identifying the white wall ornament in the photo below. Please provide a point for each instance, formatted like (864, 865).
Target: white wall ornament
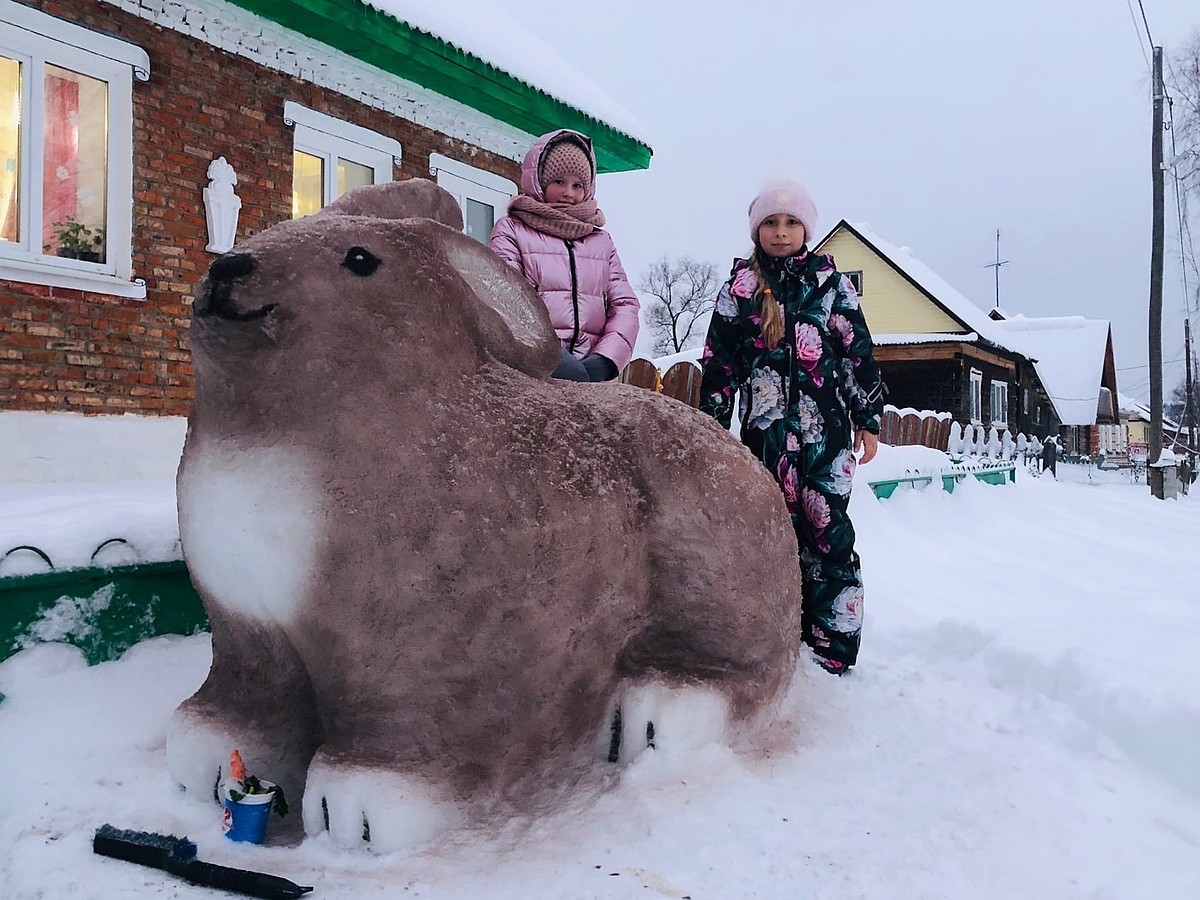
(221, 206)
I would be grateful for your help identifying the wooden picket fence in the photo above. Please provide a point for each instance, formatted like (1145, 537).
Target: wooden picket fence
(898, 427)
(910, 427)
(681, 381)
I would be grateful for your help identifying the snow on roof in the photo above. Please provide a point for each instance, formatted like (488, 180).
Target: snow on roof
(1068, 353)
(959, 306)
(1132, 406)
(481, 29)
(931, 338)
(1139, 411)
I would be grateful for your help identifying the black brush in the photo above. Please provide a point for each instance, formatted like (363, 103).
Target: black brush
(178, 856)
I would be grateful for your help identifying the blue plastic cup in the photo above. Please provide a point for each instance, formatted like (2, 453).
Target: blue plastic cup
(245, 820)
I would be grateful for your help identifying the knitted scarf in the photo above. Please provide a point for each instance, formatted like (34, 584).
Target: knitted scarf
(561, 220)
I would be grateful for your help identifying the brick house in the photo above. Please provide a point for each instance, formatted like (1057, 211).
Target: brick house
(132, 130)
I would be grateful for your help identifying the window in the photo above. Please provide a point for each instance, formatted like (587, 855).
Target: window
(482, 195)
(999, 403)
(331, 157)
(1113, 439)
(66, 153)
(1025, 401)
(856, 279)
(976, 396)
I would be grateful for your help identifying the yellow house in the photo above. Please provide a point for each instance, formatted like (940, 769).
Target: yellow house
(1136, 417)
(939, 351)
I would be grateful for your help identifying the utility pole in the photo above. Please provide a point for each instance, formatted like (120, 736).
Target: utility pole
(996, 265)
(1190, 395)
(1156, 276)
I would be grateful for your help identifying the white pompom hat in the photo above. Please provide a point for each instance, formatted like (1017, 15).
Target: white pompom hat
(782, 195)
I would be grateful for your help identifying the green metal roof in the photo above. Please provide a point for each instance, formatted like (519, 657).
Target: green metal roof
(366, 33)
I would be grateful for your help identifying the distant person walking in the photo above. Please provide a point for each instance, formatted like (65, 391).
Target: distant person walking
(1050, 457)
(788, 335)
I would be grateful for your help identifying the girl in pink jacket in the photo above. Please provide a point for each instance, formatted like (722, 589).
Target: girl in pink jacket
(553, 236)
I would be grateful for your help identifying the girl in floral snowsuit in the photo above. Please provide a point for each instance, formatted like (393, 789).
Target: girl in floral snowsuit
(788, 334)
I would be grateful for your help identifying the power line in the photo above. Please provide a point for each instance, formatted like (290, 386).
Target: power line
(1138, 32)
(1169, 362)
(1144, 22)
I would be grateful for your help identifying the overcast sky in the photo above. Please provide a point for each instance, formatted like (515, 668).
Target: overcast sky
(934, 121)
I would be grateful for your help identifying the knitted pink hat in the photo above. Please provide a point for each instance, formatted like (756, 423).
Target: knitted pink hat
(565, 157)
(784, 196)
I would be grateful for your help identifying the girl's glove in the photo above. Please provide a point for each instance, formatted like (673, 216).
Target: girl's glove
(599, 368)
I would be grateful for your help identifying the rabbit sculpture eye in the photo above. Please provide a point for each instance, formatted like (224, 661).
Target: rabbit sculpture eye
(361, 261)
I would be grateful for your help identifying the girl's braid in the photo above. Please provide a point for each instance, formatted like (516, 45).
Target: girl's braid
(772, 312)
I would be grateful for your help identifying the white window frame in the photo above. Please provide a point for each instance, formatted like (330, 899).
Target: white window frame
(856, 279)
(976, 401)
(329, 138)
(35, 39)
(999, 392)
(470, 182)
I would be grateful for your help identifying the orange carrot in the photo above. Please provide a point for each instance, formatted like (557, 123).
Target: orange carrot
(237, 768)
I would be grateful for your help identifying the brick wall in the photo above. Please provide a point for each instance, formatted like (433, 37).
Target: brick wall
(77, 351)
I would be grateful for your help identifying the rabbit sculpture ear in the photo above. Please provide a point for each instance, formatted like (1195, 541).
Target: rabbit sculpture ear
(514, 326)
(415, 198)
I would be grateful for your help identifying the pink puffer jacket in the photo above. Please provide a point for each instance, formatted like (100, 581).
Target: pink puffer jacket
(592, 306)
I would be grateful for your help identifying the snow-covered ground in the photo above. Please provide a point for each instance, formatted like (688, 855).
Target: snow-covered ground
(1024, 722)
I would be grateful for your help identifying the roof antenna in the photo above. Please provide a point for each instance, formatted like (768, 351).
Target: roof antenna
(996, 265)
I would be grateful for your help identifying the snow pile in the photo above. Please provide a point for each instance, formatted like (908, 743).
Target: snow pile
(1023, 723)
(111, 524)
(42, 447)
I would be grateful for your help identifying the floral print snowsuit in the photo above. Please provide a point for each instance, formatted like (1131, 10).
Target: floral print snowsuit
(800, 405)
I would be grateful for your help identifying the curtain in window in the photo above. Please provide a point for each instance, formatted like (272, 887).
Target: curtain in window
(10, 149)
(60, 173)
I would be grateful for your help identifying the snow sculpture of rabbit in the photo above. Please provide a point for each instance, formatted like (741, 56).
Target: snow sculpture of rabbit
(432, 572)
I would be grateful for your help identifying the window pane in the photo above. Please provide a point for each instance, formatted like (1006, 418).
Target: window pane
(308, 184)
(352, 175)
(75, 165)
(480, 219)
(10, 149)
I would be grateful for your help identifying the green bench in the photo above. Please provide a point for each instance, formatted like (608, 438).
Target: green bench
(988, 474)
(103, 611)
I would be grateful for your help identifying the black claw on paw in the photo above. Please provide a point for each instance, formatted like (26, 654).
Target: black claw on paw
(366, 829)
(650, 735)
(614, 742)
(325, 812)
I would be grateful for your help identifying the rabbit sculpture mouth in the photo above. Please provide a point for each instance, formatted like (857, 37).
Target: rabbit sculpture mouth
(432, 573)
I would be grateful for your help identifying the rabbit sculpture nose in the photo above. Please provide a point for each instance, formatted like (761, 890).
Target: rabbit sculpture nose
(228, 266)
(217, 297)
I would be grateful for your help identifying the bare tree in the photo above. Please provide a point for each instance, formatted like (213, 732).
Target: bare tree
(679, 295)
(1185, 144)
(1175, 403)
(1185, 111)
